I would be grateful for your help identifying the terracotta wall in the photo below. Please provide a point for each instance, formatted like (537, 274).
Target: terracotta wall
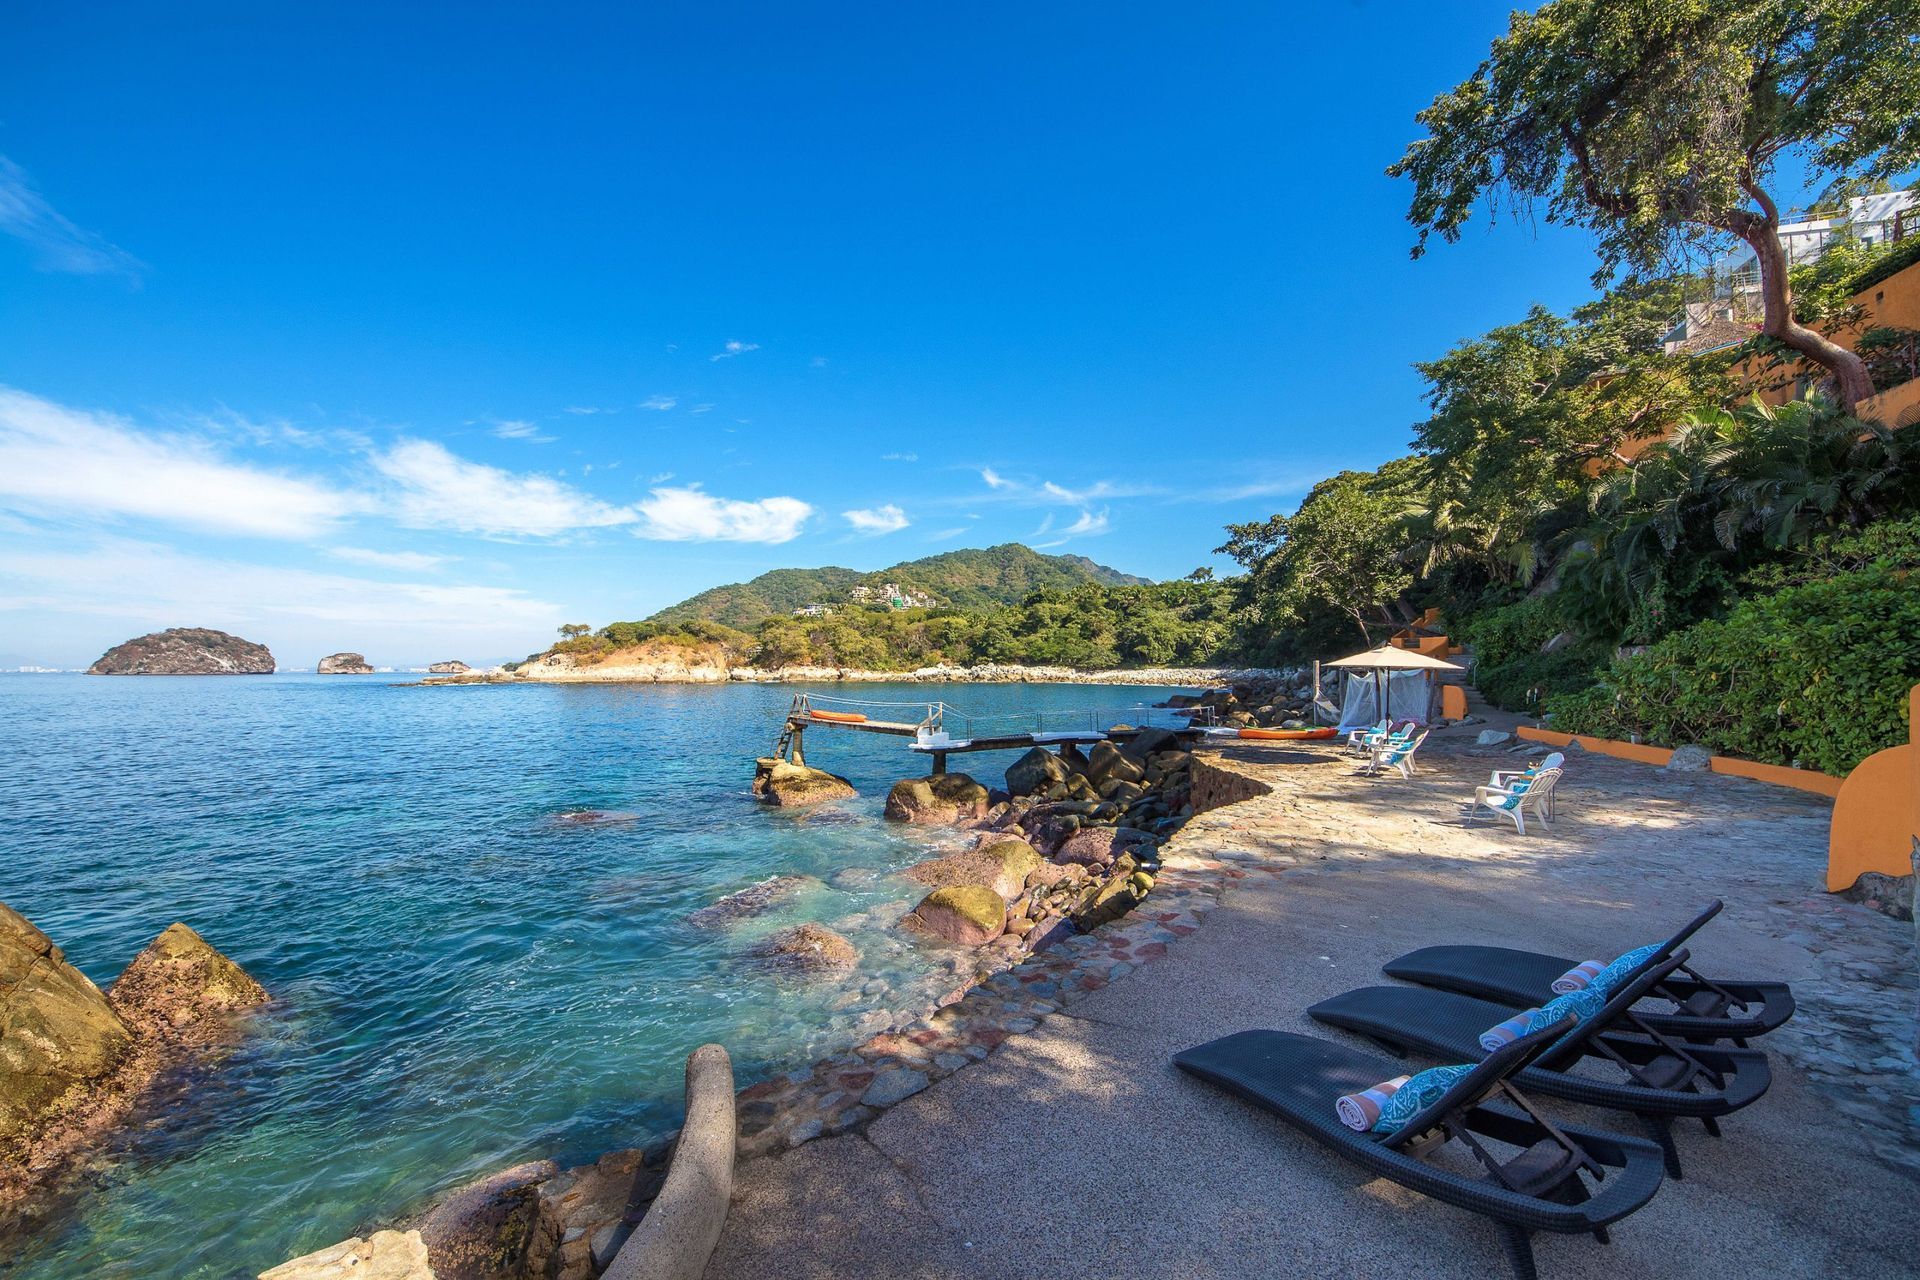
(1640, 753)
(1876, 820)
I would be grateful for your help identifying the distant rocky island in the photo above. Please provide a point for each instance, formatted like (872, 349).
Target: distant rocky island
(185, 651)
(344, 664)
(451, 667)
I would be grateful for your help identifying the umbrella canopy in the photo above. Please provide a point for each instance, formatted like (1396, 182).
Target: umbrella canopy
(1390, 658)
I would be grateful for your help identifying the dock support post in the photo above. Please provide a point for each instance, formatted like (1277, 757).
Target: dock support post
(939, 764)
(799, 749)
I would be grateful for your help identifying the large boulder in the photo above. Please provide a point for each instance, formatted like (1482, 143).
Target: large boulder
(969, 914)
(945, 798)
(1151, 741)
(182, 989)
(343, 664)
(999, 862)
(184, 651)
(791, 785)
(807, 948)
(1034, 772)
(451, 667)
(59, 1036)
(1690, 759)
(750, 901)
(480, 1231)
(385, 1255)
(1107, 762)
(1098, 846)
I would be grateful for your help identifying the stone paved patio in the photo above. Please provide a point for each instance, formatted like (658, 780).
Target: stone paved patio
(1037, 1126)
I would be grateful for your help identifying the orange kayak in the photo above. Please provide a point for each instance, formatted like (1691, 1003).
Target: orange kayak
(1288, 735)
(839, 717)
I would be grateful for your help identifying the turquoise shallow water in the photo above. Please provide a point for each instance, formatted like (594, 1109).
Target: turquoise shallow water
(461, 982)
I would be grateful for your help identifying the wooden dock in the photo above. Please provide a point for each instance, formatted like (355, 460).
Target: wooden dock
(932, 729)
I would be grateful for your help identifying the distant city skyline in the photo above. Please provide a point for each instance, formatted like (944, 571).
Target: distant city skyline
(423, 334)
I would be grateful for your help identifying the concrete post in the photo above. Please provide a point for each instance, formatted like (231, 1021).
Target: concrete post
(1913, 737)
(675, 1239)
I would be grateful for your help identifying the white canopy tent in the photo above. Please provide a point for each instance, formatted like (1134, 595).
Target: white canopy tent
(1401, 688)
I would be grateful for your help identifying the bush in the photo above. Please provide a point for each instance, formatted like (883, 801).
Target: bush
(1814, 675)
(1518, 630)
(1528, 682)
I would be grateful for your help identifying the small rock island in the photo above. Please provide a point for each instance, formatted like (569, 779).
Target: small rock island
(451, 667)
(185, 651)
(344, 664)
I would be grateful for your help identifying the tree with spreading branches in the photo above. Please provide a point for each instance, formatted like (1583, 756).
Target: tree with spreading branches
(1660, 125)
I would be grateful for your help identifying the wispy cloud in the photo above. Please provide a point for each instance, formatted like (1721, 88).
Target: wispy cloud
(57, 244)
(899, 457)
(877, 520)
(994, 479)
(734, 348)
(159, 584)
(690, 515)
(1089, 525)
(59, 461)
(406, 561)
(701, 408)
(432, 488)
(586, 409)
(520, 429)
(818, 362)
(946, 534)
(660, 403)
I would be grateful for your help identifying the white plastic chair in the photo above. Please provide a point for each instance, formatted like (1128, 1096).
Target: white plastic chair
(1501, 779)
(1514, 799)
(1361, 741)
(1396, 755)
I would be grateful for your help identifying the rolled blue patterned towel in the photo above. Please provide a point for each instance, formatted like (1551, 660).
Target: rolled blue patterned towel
(1576, 1006)
(1578, 978)
(1359, 1111)
(1622, 968)
(1416, 1095)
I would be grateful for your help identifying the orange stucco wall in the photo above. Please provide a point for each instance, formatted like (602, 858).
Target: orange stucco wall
(1453, 702)
(1876, 820)
(1893, 303)
(1779, 775)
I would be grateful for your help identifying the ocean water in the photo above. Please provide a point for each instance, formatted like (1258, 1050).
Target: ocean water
(461, 980)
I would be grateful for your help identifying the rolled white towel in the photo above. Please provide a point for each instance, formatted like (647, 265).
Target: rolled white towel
(1360, 1111)
(1578, 978)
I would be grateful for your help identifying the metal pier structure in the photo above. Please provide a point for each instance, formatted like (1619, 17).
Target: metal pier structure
(938, 729)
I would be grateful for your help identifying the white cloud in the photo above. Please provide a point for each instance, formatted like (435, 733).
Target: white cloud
(60, 461)
(57, 243)
(945, 534)
(877, 520)
(435, 489)
(157, 585)
(1046, 524)
(993, 478)
(1089, 524)
(701, 408)
(689, 515)
(519, 429)
(899, 457)
(409, 561)
(660, 403)
(734, 348)
(585, 409)
(818, 362)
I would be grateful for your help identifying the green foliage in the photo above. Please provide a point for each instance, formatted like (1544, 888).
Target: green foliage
(1343, 555)
(1509, 668)
(1670, 533)
(1893, 545)
(968, 580)
(1897, 258)
(1648, 122)
(1892, 355)
(1815, 675)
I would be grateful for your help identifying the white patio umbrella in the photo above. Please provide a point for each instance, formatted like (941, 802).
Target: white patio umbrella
(1391, 658)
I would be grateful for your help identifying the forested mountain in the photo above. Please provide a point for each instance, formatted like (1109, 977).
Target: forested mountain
(971, 579)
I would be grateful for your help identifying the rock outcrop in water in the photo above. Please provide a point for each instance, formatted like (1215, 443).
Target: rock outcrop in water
(940, 800)
(789, 785)
(807, 949)
(185, 651)
(750, 901)
(343, 664)
(451, 667)
(74, 1061)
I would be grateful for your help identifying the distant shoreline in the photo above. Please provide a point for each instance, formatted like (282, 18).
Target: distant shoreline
(990, 673)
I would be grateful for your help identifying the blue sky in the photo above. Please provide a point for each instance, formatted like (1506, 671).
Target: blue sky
(421, 329)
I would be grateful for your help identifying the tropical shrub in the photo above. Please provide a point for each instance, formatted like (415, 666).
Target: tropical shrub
(1814, 675)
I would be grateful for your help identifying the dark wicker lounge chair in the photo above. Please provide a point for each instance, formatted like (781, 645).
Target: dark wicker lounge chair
(1533, 1179)
(1703, 1009)
(1650, 1074)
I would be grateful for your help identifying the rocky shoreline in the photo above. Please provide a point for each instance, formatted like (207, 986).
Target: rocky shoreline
(562, 669)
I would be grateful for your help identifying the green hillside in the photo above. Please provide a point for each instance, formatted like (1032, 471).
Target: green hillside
(956, 579)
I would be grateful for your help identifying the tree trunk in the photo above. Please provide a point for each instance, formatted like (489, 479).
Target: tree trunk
(1776, 294)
